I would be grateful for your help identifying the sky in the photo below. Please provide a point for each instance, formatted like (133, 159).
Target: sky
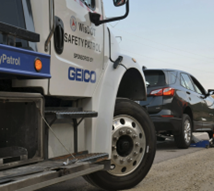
(176, 34)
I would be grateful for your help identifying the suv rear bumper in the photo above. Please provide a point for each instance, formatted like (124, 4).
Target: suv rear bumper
(167, 124)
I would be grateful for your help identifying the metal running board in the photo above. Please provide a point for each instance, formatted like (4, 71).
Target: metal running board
(72, 113)
(36, 176)
(11, 154)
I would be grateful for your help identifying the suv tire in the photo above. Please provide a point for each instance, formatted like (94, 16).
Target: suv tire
(183, 140)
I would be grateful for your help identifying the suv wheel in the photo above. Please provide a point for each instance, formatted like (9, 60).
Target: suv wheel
(183, 140)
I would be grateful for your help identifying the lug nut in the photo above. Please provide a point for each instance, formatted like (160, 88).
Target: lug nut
(134, 136)
(137, 144)
(122, 160)
(128, 132)
(130, 160)
(115, 138)
(114, 147)
(135, 153)
(122, 132)
(115, 156)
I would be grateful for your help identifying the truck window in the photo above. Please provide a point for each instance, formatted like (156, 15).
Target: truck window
(11, 12)
(89, 3)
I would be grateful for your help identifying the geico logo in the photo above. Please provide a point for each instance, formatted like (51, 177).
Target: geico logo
(80, 75)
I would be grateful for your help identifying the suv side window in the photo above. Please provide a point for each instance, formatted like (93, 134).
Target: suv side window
(89, 3)
(183, 82)
(172, 77)
(188, 82)
(198, 87)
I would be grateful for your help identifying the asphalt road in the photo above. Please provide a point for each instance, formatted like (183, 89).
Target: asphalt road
(173, 169)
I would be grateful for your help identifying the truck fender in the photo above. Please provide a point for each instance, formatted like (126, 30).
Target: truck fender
(132, 85)
(128, 76)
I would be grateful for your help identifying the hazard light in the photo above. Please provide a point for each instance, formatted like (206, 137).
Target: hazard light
(38, 65)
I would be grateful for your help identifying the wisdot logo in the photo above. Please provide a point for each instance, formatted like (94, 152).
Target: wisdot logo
(73, 23)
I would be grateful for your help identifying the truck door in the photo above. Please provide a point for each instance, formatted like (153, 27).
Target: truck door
(77, 57)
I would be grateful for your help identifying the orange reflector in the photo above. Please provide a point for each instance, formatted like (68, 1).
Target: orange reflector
(167, 116)
(134, 60)
(38, 65)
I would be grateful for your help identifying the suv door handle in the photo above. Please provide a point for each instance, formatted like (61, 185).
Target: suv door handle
(188, 93)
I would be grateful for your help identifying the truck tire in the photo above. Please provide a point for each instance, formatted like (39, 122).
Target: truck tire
(183, 140)
(133, 148)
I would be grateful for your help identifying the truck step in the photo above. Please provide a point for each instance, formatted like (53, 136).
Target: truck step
(73, 113)
(36, 176)
(12, 154)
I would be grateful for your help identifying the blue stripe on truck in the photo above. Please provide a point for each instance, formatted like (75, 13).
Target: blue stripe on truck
(21, 62)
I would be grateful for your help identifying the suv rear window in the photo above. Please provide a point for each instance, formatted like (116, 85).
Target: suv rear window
(154, 78)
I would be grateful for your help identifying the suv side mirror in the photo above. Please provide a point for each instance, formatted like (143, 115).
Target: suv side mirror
(95, 17)
(118, 3)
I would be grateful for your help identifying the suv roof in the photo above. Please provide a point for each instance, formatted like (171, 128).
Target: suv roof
(167, 70)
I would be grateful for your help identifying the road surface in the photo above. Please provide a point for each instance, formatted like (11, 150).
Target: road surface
(173, 169)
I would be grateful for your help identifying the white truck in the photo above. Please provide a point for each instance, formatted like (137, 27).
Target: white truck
(67, 98)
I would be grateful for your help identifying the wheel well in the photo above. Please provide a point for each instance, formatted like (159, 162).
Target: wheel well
(132, 86)
(188, 111)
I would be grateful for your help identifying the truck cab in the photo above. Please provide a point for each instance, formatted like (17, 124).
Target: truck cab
(67, 97)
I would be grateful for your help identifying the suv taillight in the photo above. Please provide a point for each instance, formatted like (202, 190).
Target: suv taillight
(158, 92)
(168, 91)
(163, 92)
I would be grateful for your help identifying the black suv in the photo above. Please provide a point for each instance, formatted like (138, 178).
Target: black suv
(178, 105)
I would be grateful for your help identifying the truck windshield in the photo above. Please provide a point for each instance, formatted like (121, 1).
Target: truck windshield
(11, 12)
(154, 78)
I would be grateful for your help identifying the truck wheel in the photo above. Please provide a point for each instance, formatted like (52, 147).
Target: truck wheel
(183, 140)
(133, 148)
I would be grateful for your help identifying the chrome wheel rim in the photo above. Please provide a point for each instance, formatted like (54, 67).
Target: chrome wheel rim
(187, 131)
(128, 145)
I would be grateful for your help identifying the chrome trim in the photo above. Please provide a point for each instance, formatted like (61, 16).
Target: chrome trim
(52, 16)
